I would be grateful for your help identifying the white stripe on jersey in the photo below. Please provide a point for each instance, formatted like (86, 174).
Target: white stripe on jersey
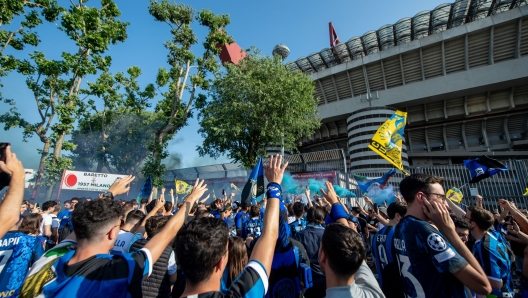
(261, 272)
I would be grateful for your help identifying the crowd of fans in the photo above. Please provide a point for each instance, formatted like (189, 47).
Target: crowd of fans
(420, 245)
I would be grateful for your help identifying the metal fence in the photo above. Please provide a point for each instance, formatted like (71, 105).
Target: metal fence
(509, 185)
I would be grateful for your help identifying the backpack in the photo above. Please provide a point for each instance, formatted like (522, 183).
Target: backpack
(65, 228)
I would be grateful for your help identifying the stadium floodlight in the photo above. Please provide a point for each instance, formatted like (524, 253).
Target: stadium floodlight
(281, 50)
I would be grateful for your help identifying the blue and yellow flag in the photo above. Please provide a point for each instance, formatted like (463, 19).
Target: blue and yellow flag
(182, 187)
(387, 141)
(455, 195)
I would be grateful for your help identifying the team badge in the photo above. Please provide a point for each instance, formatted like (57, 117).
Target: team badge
(436, 242)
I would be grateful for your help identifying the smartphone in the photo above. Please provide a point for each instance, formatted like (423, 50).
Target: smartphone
(3, 147)
(375, 207)
(5, 178)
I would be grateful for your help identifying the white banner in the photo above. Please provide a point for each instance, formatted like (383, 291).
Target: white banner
(473, 191)
(90, 181)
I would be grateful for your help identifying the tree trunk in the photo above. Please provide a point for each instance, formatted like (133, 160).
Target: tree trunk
(49, 191)
(45, 153)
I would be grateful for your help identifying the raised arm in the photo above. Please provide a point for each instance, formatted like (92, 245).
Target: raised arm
(158, 243)
(456, 209)
(517, 215)
(307, 193)
(171, 192)
(10, 206)
(331, 197)
(479, 201)
(265, 246)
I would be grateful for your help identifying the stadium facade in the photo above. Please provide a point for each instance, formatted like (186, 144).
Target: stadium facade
(460, 71)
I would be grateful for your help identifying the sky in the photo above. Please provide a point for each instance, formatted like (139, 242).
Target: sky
(301, 25)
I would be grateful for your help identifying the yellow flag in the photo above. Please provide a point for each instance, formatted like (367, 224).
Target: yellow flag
(182, 187)
(455, 195)
(234, 186)
(387, 141)
(526, 193)
(214, 195)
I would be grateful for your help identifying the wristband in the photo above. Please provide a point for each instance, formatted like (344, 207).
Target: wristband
(274, 191)
(338, 212)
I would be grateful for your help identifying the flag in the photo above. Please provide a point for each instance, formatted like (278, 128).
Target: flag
(483, 167)
(254, 186)
(455, 195)
(526, 193)
(214, 195)
(146, 189)
(182, 187)
(378, 189)
(233, 186)
(387, 141)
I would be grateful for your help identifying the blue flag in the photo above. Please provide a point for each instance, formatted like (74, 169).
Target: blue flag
(254, 186)
(365, 183)
(146, 189)
(483, 167)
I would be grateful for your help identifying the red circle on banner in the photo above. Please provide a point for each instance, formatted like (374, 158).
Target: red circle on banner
(71, 180)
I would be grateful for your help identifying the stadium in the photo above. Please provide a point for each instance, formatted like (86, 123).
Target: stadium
(460, 71)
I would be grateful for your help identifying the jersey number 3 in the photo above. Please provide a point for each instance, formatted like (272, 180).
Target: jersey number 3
(404, 265)
(4, 256)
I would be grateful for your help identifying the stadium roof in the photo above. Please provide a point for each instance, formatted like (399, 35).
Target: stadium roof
(425, 23)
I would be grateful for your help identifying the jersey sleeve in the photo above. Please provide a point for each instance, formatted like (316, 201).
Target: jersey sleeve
(491, 264)
(140, 265)
(441, 253)
(252, 282)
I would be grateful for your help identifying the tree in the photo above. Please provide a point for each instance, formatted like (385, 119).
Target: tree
(256, 105)
(115, 133)
(184, 66)
(56, 84)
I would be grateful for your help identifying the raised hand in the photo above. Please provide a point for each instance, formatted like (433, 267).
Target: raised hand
(506, 204)
(331, 195)
(11, 165)
(274, 171)
(121, 186)
(197, 192)
(438, 214)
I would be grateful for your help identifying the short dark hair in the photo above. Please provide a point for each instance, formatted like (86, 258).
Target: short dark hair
(91, 217)
(460, 222)
(396, 208)
(67, 201)
(155, 224)
(356, 209)
(254, 211)
(167, 206)
(74, 198)
(411, 185)
(151, 206)
(344, 249)
(298, 209)
(316, 215)
(143, 201)
(202, 213)
(199, 246)
(48, 204)
(134, 216)
(482, 217)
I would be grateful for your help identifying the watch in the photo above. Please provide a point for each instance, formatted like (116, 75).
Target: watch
(108, 195)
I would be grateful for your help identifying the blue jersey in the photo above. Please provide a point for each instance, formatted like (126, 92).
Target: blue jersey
(64, 213)
(102, 275)
(426, 261)
(240, 222)
(492, 254)
(298, 225)
(253, 227)
(382, 250)
(18, 251)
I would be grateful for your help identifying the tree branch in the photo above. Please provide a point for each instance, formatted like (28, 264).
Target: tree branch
(10, 37)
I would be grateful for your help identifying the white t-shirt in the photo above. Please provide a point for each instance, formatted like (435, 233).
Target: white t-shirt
(47, 220)
(365, 285)
(123, 242)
